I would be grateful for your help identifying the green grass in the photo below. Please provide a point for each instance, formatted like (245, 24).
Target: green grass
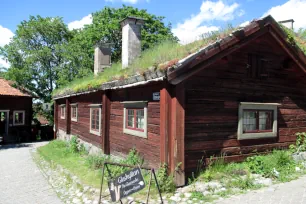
(56, 151)
(88, 168)
(264, 165)
(160, 57)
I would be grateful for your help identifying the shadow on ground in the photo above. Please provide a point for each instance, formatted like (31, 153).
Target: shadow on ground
(17, 145)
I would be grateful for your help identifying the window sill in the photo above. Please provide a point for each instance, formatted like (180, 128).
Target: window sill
(74, 119)
(62, 118)
(95, 132)
(135, 133)
(250, 136)
(18, 124)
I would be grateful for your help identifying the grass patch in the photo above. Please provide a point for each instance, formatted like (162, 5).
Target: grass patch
(88, 168)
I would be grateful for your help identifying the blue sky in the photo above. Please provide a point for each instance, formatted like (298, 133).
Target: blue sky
(189, 18)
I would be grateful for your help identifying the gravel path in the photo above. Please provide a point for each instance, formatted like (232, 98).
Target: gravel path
(293, 192)
(20, 179)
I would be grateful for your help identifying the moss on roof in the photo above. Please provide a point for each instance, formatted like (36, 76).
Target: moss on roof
(161, 57)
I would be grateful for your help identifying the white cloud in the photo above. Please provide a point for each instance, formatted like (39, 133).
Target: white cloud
(126, 1)
(80, 24)
(4, 63)
(5, 35)
(292, 9)
(244, 24)
(193, 27)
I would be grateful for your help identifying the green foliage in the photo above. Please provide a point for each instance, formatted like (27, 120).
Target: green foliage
(300, 144)
(243, 183)
(35, 54)
(279, 161)
(96, 161)
(165, 181)
(133, 158)
(198, 195)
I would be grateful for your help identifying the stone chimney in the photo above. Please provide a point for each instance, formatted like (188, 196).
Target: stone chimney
(102, 57)
(131, 39)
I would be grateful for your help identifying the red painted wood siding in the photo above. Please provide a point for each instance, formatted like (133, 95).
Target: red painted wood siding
(213, 96)
(81, 128)
(121, 143)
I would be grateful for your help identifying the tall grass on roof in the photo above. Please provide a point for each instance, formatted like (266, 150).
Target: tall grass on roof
(162, 56)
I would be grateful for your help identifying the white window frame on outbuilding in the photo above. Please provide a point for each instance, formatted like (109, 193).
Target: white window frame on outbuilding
(95, 106)
(63, 110)
(136, 105)
(14, 117)
(257, 106)
(74, 105)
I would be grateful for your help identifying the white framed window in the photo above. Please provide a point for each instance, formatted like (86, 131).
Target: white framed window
(135, 118)
(257, 120)
(95, 119)
(63, 111)
(74, 112)
(19, 117)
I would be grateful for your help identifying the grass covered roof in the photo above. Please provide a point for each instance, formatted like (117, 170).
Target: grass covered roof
(156, 62)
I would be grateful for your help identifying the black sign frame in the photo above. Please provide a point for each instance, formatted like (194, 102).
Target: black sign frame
(152, 174)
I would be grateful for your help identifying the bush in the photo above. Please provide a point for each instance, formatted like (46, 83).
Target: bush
(95, 161)
(73, 145)
(133, 158)
(165, 181)
(279, 161)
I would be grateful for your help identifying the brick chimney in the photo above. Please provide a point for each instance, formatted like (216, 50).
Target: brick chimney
(131, 39)
(102, 57)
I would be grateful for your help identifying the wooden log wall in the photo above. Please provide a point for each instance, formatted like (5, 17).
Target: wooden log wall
(120, 143)
(213, 96)
(81, 128)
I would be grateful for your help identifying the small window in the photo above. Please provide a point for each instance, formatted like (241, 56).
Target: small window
(95, 119)
(18, 117)
(74, 112)
(256, 66)
(257, 120)
(63, 111)
(135, 118)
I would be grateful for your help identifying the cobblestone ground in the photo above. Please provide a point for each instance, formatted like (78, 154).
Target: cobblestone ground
(293, 192)
(20, 179)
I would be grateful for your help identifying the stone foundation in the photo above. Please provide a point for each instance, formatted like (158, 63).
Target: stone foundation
(90, 148)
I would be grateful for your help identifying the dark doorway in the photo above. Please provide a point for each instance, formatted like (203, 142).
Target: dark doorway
(3, 125)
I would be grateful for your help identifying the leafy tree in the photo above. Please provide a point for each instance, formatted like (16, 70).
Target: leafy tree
(106, 28)
(44, 54)
(35, 54)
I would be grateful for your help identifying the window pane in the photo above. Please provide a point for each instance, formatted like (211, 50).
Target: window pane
(265, 120)
(130, 118)
(249, 121)
(140, 119)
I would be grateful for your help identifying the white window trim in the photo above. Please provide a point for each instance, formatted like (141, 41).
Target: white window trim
(136, 104)
(98, 133)
(63, 106)
(23, 117)
(257, 106)
(74, 105)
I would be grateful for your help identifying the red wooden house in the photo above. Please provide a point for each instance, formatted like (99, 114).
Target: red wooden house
(15, 113)
(241, 95)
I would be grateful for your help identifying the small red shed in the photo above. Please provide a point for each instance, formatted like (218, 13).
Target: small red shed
(15, 113)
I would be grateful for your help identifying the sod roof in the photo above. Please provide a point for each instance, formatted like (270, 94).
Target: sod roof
(160, 62)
